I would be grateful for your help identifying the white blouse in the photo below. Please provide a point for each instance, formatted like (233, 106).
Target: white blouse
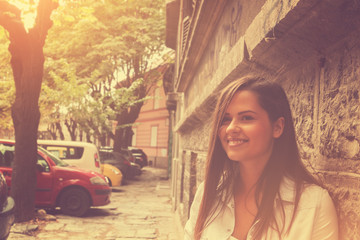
(315, 219)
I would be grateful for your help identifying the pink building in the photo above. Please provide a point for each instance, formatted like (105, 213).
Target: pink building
(151, 129)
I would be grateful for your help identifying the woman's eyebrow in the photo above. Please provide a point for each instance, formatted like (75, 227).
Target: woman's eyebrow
(240, 113)
(244, 112)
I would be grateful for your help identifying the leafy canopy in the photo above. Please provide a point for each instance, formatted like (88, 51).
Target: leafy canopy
(96, 55)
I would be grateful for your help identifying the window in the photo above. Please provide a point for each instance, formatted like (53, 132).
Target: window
(6, 158)
(42, 162)
(154, 131)
(65, 152)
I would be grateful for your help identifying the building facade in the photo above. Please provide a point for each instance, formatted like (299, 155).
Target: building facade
(151, 129)
(313, 46)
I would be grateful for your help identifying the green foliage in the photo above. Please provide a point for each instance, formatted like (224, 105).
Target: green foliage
(60, 90)
(135, 29)
(7, 88)
(95, 113)
(96, 55)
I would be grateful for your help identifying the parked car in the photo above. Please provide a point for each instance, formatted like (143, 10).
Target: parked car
(72, 189)
(7, 207)
(128, 154)
(112, 174)
(140, 156)
(60, 152)
(80, 154)
(115, 159)
(127, 168)
(135, 167)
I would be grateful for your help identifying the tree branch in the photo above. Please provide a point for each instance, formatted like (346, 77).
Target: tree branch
(43, 22)
(10, 19)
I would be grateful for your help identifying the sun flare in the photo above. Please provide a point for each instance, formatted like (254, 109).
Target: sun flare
(28, 11)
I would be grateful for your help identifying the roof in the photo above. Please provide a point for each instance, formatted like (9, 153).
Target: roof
(64, 143)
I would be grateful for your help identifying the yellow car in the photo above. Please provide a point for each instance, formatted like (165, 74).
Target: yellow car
(112, 174)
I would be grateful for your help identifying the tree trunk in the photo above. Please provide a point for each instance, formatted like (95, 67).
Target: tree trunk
(27, 62)
(71, 126)
(128, 135)
(26, 115)
(102, 139)
(118, 140)
(59, 128)
(123, 135)
(52, 130)
(88, 137)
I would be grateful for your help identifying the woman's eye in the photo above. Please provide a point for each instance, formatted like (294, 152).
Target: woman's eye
(225, 121)
(247, 118)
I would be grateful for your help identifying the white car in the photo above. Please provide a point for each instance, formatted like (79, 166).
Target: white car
(80, 154)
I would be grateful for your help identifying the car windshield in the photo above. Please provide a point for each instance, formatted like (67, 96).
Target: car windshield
(56, 160)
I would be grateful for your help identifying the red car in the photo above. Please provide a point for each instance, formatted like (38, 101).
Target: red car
(72, 189)
(7, 207)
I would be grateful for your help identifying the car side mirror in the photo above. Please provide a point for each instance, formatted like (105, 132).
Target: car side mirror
(40, 167)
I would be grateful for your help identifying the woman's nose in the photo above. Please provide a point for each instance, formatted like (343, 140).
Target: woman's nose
(233, 127)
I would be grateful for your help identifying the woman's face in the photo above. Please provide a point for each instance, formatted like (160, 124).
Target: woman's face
(246, 132)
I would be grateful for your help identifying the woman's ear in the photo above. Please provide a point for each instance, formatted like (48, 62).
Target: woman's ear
(278, 127)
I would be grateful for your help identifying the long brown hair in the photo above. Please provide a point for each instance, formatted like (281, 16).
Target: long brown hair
(222, 173)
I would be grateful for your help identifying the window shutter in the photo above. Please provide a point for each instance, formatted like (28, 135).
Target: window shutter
(186, 27)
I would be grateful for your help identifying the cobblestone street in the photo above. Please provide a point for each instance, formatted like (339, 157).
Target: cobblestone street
(141, 209)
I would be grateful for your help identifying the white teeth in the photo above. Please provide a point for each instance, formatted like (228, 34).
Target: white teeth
(236, 142)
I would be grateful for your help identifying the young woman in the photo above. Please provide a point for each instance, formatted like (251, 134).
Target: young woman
(256, 186)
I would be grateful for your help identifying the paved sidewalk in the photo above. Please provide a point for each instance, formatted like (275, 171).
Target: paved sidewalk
(139, 210)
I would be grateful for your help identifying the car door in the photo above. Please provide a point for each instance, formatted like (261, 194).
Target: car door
(45, 179)
(6, 158)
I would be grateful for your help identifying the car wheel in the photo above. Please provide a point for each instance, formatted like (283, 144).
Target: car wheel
(74, 202)
(108, 181)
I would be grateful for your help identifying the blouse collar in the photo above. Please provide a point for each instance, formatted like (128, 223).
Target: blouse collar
(286, 193)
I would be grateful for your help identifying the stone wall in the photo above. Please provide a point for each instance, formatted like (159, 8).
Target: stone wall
(325, 100)
(320, 74)
(192, 168)
(324, 94)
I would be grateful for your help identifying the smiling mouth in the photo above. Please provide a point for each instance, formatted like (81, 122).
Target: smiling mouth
(236, 142)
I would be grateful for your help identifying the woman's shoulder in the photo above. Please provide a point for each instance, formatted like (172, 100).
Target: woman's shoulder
(310, 192)
(200, 189)
(194, 211)
(316, 199)
(201, 186)
(315, 194)
(198, 194)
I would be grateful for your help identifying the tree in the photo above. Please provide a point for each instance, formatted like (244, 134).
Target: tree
(7, 88)
(60, 92)
(135, 34)
(95, 113)
(62, 88)
(66, 88)
(110, 44)
(27, 63)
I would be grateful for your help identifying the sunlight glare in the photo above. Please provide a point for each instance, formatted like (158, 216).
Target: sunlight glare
(28, 11)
